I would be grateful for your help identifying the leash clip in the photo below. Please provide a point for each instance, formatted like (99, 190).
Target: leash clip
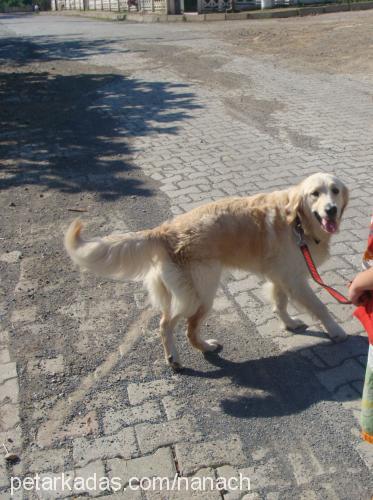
(299, 233)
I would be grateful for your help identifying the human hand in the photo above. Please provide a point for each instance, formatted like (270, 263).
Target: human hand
(361, 287)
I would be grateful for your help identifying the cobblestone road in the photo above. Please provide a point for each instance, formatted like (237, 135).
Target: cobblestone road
(166, 118)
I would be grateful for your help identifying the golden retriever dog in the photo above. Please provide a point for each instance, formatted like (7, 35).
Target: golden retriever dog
(181, 260)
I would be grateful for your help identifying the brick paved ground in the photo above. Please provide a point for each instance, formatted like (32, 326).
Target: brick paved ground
(280, 408)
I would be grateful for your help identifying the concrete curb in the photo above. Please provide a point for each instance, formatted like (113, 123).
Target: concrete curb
(94, 14)
(222, 16)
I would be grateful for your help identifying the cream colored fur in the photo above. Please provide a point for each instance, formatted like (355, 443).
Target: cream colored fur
(181, 260)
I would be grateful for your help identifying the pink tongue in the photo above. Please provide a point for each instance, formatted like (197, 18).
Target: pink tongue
(329, 226)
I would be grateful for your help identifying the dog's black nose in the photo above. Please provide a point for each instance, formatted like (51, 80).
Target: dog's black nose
(331, 210)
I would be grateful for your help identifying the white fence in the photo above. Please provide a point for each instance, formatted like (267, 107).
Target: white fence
(168, 6)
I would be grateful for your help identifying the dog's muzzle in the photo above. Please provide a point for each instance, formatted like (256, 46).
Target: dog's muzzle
(329, 222)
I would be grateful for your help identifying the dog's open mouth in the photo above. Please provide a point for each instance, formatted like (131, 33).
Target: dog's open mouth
(329, 224)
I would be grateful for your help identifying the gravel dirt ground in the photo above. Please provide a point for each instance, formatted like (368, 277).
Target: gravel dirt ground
(130, 124)
(338, 43)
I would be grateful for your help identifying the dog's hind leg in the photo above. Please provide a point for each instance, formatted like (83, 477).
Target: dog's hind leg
(205, 278)
(161, 298)
(193, 333)
(166, 327)
(280, 302)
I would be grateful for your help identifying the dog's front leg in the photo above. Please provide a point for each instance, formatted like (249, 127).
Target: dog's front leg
(304, 295)
(280, 301)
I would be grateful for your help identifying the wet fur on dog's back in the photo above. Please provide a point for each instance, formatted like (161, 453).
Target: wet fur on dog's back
(181, 260)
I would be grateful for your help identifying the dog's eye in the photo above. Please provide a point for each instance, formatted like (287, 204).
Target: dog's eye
(335, 191)
(316, 194)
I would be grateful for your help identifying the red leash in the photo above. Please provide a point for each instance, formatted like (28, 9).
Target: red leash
(311, 265)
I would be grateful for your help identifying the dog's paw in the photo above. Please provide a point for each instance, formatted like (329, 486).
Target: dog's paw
(295, 325)
(337, 334)
(174, 364)
(212, 345)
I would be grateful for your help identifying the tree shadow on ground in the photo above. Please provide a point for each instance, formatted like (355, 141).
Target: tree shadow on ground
(74, 132)
(287, 383)
(57, 48)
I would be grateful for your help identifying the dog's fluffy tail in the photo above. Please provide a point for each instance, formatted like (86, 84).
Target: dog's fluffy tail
(127, 256)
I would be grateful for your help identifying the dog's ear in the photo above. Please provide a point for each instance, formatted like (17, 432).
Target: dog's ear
(345, 197)
(294, 205)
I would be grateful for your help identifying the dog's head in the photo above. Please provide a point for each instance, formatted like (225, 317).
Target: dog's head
(319, 200)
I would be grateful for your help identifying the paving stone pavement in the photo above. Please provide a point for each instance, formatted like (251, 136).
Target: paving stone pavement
(137, 419)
